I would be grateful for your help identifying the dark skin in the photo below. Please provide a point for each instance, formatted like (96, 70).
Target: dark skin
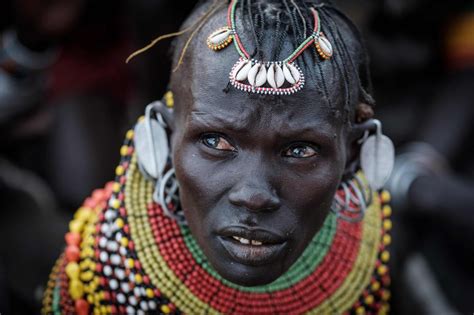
(260, 168)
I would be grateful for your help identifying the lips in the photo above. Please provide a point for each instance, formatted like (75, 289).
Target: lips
(251, 246)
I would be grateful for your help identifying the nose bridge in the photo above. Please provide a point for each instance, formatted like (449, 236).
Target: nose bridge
(254, 189)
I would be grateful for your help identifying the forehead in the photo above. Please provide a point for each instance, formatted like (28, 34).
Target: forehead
(201, 85)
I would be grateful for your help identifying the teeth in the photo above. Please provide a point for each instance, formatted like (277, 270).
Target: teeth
(246, 241)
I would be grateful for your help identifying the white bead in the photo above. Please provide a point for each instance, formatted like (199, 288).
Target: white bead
(102, 242)
(130, 310)
(110, 215)
(118, 236)
(112, 246)
(113, 284)
(123, 251)
(125, 287)
(103, 256)
(144, 305)
(152, 305)
(115, 259)
(137, 291)
(121, 298)
(325, 46)
(107, 270)
(132, 300)
(120, 273)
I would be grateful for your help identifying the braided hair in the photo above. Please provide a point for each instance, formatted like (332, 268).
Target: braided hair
(271, 25)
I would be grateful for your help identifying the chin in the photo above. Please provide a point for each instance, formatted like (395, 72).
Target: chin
(249, 276)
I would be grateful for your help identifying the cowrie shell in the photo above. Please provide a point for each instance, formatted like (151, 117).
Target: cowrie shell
(243, 73)
(275, 76)
(324, 47)
(252, 76)
(261, 78)
(219, 36)
(291, 73)
(219, 39)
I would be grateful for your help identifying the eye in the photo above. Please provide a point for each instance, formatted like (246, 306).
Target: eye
(300, 151)
(217, 142)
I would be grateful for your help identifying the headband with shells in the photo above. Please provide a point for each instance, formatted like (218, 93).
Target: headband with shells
(267, 77)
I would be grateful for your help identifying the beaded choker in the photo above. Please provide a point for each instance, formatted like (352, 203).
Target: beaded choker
(267, 77)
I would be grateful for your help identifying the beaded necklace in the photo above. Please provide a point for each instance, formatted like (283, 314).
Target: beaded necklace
(124, 255)
(267, 77)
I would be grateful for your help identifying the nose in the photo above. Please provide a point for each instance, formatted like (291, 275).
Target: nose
(255, 194)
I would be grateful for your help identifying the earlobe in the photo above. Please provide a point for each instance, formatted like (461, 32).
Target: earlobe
(166, 109)
(356, 136)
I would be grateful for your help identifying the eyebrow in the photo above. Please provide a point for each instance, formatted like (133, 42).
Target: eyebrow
(201, 118)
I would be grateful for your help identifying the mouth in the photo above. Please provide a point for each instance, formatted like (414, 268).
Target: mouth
(253, 247)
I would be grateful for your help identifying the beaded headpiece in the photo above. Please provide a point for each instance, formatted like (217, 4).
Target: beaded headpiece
(267, 77)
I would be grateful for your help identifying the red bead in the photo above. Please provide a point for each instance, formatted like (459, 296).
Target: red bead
(72, 253)
(73, 238)
(82, 307)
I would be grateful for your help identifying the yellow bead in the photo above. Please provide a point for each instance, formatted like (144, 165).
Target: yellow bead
(385, 256)
(387, 239)
(130, 134)
(386, 295)
(116, 187)
(387, 211)
(123, 150)
(387, 225)
(375, 286)
(90, 299)
(141, 118)
(115, 203)
(369, 299)
(138, 278)
(76, 289)
(119, 171)
(130, 263)
(149, 293)
(165, 309)
(87, 276)
(75, 226)
(124, 242)
(382, 269)
(72, 270)
(119, 223)
(386, 197)
(169, 99)
(360, 310)
(97, 311)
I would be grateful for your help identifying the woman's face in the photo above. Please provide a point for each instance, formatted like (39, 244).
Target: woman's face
(257, 174)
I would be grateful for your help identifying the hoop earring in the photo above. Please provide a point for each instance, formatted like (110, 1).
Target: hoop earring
(166, 194)
(350, 201)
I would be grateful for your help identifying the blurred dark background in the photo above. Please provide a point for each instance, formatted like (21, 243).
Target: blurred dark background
(67, 97)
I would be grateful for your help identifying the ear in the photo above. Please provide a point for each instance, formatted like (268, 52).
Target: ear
(167, 112)
(356, 133)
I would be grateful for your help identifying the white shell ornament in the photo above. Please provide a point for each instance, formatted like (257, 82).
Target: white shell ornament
(324, 47)
(243, 71)
(252, 77)
(220, 38)
(377, 158)
(151, 146)
(266, 77)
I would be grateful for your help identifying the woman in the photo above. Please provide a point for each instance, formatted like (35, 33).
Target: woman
(273, 214)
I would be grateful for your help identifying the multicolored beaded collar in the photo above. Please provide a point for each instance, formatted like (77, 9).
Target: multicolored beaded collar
(124, 255)
(267, 77)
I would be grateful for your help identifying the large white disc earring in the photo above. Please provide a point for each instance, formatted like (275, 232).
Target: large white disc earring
(151, 143)
(377, 157)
